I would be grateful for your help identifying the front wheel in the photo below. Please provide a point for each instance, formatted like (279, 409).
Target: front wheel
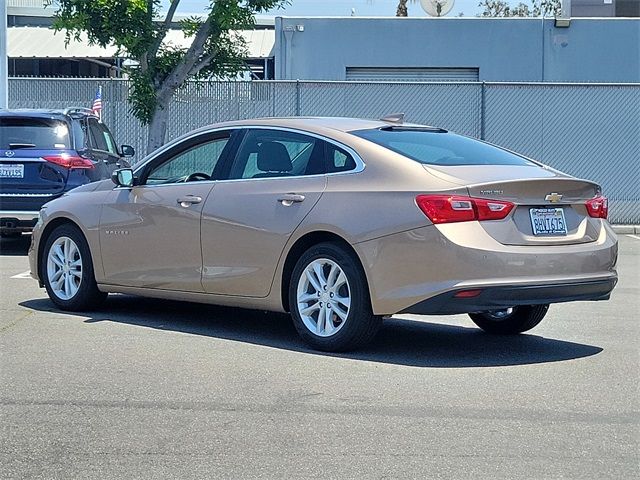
(329, 300)
(67, 270)
(510, 321)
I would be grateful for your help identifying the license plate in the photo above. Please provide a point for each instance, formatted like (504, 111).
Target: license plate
(548, 221)
(12, 171)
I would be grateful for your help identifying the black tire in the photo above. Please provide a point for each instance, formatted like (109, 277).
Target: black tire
(520, 320)
(360, 325)
(87, 296)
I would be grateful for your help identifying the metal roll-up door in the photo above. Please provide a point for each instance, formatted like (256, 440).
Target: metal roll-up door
(411, 74)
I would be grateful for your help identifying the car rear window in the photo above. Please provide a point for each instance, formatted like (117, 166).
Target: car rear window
(439, 147)
(38, 133)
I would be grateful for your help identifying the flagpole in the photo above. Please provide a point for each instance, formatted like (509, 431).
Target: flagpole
(101, 103)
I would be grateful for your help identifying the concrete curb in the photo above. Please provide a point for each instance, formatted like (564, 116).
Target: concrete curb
(626, 229)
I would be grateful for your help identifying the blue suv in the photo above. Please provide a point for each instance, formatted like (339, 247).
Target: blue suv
(45, 153)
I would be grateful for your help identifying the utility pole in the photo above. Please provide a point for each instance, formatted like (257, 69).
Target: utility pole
(4, 66)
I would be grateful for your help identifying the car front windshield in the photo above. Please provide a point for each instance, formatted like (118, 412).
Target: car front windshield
(438, 147)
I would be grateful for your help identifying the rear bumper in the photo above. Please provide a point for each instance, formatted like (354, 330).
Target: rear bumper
(495, 298)
(19, 215)
(19, 212)
(17, 220)
(28, 202)
(432, 263)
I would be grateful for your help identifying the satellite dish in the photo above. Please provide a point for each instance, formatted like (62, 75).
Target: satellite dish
(437, 8)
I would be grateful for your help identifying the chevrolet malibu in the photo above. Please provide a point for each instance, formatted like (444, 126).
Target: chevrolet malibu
(338, 221)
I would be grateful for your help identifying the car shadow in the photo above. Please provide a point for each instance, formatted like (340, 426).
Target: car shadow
(15, 246)
(399, 342)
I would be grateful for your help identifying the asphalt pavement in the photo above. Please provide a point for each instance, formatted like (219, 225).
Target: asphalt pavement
(155, 389)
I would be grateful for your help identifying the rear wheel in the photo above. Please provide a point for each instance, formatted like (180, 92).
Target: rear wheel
(329, 300)
(67, 270)
(510, 321)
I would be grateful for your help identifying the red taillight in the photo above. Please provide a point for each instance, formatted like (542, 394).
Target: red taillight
(598, 207)
(492, 209)
(446, 208)
(468, 293)
(454, 208)
(69, 161)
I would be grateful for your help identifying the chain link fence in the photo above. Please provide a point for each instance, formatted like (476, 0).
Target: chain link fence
(588, 130)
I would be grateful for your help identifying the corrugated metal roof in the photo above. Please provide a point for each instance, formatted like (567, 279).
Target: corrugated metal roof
(36, 42)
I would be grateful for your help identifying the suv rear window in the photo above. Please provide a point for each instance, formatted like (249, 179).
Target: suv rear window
(439, 147)
(39, 133)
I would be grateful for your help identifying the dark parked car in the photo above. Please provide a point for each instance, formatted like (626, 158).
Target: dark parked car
(45, 153)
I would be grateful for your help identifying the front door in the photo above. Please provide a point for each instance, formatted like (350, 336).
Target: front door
(150, 234)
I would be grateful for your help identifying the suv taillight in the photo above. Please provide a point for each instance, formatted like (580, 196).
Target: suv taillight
(454, 208)
(69, 161)
(598, 207)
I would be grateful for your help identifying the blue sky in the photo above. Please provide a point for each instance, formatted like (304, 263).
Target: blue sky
(362, 8)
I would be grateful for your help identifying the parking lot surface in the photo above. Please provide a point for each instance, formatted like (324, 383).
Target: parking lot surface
(155, 389)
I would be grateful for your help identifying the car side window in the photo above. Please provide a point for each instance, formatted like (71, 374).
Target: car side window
(338, 160)
(195, 163)
(268, 153)
(108, 139)
(98, 141)
(79, 129)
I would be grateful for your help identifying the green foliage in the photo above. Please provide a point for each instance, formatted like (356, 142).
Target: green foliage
(124, 23)
(142, 96)
(137, 29)
(502, 8)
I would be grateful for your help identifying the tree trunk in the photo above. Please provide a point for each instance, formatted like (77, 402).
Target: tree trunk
(402, 9)
(158, 127)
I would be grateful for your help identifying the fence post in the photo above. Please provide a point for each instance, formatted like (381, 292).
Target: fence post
(112, 94)
(237, 101)
(482, 111)
(273, 98)
(297, 98)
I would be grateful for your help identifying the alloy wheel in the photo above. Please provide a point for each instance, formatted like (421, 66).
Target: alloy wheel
(323, 297)
(64, 268)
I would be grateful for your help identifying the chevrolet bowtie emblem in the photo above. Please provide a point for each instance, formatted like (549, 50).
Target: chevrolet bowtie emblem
(553, 197)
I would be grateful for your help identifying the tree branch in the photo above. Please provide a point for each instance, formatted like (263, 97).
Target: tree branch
(153, 50)
(202, 63)
(191, 57)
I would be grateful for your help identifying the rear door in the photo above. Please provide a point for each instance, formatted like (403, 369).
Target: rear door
(27, 180)
(274, 181)
(150, 233)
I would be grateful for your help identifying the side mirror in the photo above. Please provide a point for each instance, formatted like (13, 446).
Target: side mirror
(127, 151)
(123, 177)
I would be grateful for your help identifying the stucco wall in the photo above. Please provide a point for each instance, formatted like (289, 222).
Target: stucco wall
(509, 50)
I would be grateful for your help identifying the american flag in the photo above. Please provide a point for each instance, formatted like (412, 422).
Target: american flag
(97, 103)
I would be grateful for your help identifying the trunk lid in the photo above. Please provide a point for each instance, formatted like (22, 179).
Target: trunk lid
(540, 195)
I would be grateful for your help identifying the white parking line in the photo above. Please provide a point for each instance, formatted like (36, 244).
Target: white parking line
(634, 236)
(26, 274)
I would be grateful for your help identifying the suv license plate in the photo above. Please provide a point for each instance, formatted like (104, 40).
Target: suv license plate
(548, 221)
(12, 171)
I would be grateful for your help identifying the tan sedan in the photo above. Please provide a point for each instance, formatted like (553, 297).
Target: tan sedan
(338, 221)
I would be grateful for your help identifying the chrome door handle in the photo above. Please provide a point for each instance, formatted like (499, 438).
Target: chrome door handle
(290, 198)
(189, 200)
